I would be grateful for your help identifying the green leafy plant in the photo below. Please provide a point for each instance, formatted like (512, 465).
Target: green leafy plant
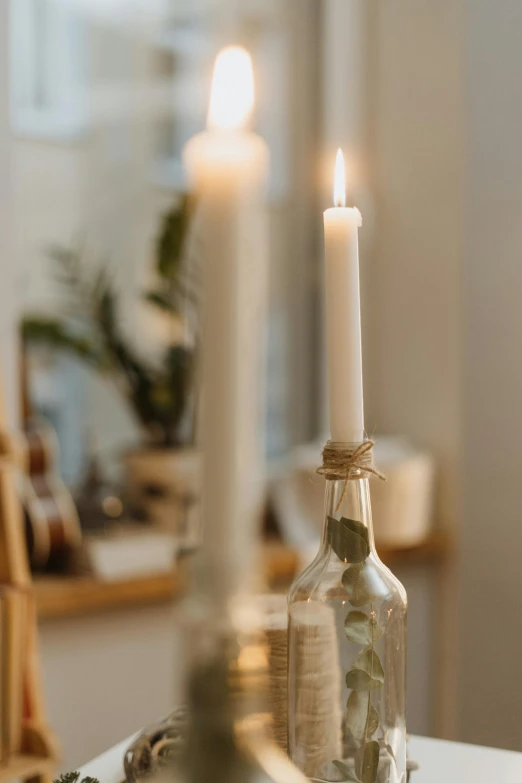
(350, 542)
(89, 327)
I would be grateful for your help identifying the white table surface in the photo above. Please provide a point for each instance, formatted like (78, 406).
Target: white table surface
(440, 762)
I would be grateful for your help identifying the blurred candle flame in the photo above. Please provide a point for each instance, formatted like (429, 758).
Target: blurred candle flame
(232, 95)
(339, 181)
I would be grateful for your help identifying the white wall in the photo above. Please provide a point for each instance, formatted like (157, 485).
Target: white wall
(445, 289)
(413, 290)
(411, 279)
(106, 676)
(490, 684)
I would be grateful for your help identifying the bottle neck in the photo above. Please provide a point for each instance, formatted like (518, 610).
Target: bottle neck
(348, 500)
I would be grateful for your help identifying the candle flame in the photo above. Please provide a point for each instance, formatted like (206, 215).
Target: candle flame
(232, 95)
(339, 192)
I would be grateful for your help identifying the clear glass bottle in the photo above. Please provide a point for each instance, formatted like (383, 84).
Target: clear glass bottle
(347, 652)
(229, 732)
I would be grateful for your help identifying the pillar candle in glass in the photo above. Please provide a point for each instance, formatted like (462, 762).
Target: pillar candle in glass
(226, 654)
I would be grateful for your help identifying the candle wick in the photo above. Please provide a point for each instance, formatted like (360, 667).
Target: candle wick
(339, 181)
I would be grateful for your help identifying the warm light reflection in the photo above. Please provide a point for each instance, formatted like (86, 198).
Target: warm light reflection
(252, 658)
(112, 507)
(339, 181)
(232, 96)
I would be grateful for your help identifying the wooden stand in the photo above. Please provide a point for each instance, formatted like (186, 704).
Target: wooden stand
(37, 755)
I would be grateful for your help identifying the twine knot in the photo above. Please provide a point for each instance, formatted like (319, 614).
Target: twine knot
(353, 462)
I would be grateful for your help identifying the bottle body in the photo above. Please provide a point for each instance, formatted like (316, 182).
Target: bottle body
(347, 652)
(229, 733)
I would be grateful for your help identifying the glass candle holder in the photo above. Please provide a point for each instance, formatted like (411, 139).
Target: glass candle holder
(229, 733)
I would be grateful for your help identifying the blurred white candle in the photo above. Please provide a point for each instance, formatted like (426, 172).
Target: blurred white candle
(343, 314)
(227, 166)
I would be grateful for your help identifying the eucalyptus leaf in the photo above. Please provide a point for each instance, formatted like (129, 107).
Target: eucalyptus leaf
(364, 584)
(359, 680)
(348, 545)
(356, 527)
(351, 575)
(369, 662)
(358, 627)
(347, 773)
(367, 761)
(362, 718)
(361, 595)
(373, 721)
(375, 584)
(356, 586)
(350, 744)
(357, 713)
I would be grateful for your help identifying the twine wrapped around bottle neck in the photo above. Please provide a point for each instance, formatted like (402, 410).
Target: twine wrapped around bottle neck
(350, 463)
(347, 464)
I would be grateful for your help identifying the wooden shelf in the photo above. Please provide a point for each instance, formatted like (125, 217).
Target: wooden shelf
(281, 563)
(438, 545)
(69, 596)
(59, 596)
(24, 766)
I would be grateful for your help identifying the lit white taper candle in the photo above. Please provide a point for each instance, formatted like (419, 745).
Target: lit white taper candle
(343, 314)
(227, 165)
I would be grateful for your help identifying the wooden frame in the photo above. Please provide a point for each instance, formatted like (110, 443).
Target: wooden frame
(35, 759)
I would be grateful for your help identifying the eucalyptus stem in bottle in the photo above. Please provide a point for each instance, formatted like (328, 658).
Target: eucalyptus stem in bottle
(347, 651)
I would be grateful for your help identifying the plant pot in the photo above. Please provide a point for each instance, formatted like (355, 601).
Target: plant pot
(163, 487)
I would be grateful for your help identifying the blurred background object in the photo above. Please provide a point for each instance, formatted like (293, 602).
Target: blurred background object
(97, 100)
(402, 505)
(157, 389)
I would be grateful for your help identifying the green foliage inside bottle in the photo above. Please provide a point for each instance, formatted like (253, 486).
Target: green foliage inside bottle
(347, 632)
(367, 673)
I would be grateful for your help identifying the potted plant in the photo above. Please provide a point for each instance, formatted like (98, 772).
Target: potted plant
(162, 472)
